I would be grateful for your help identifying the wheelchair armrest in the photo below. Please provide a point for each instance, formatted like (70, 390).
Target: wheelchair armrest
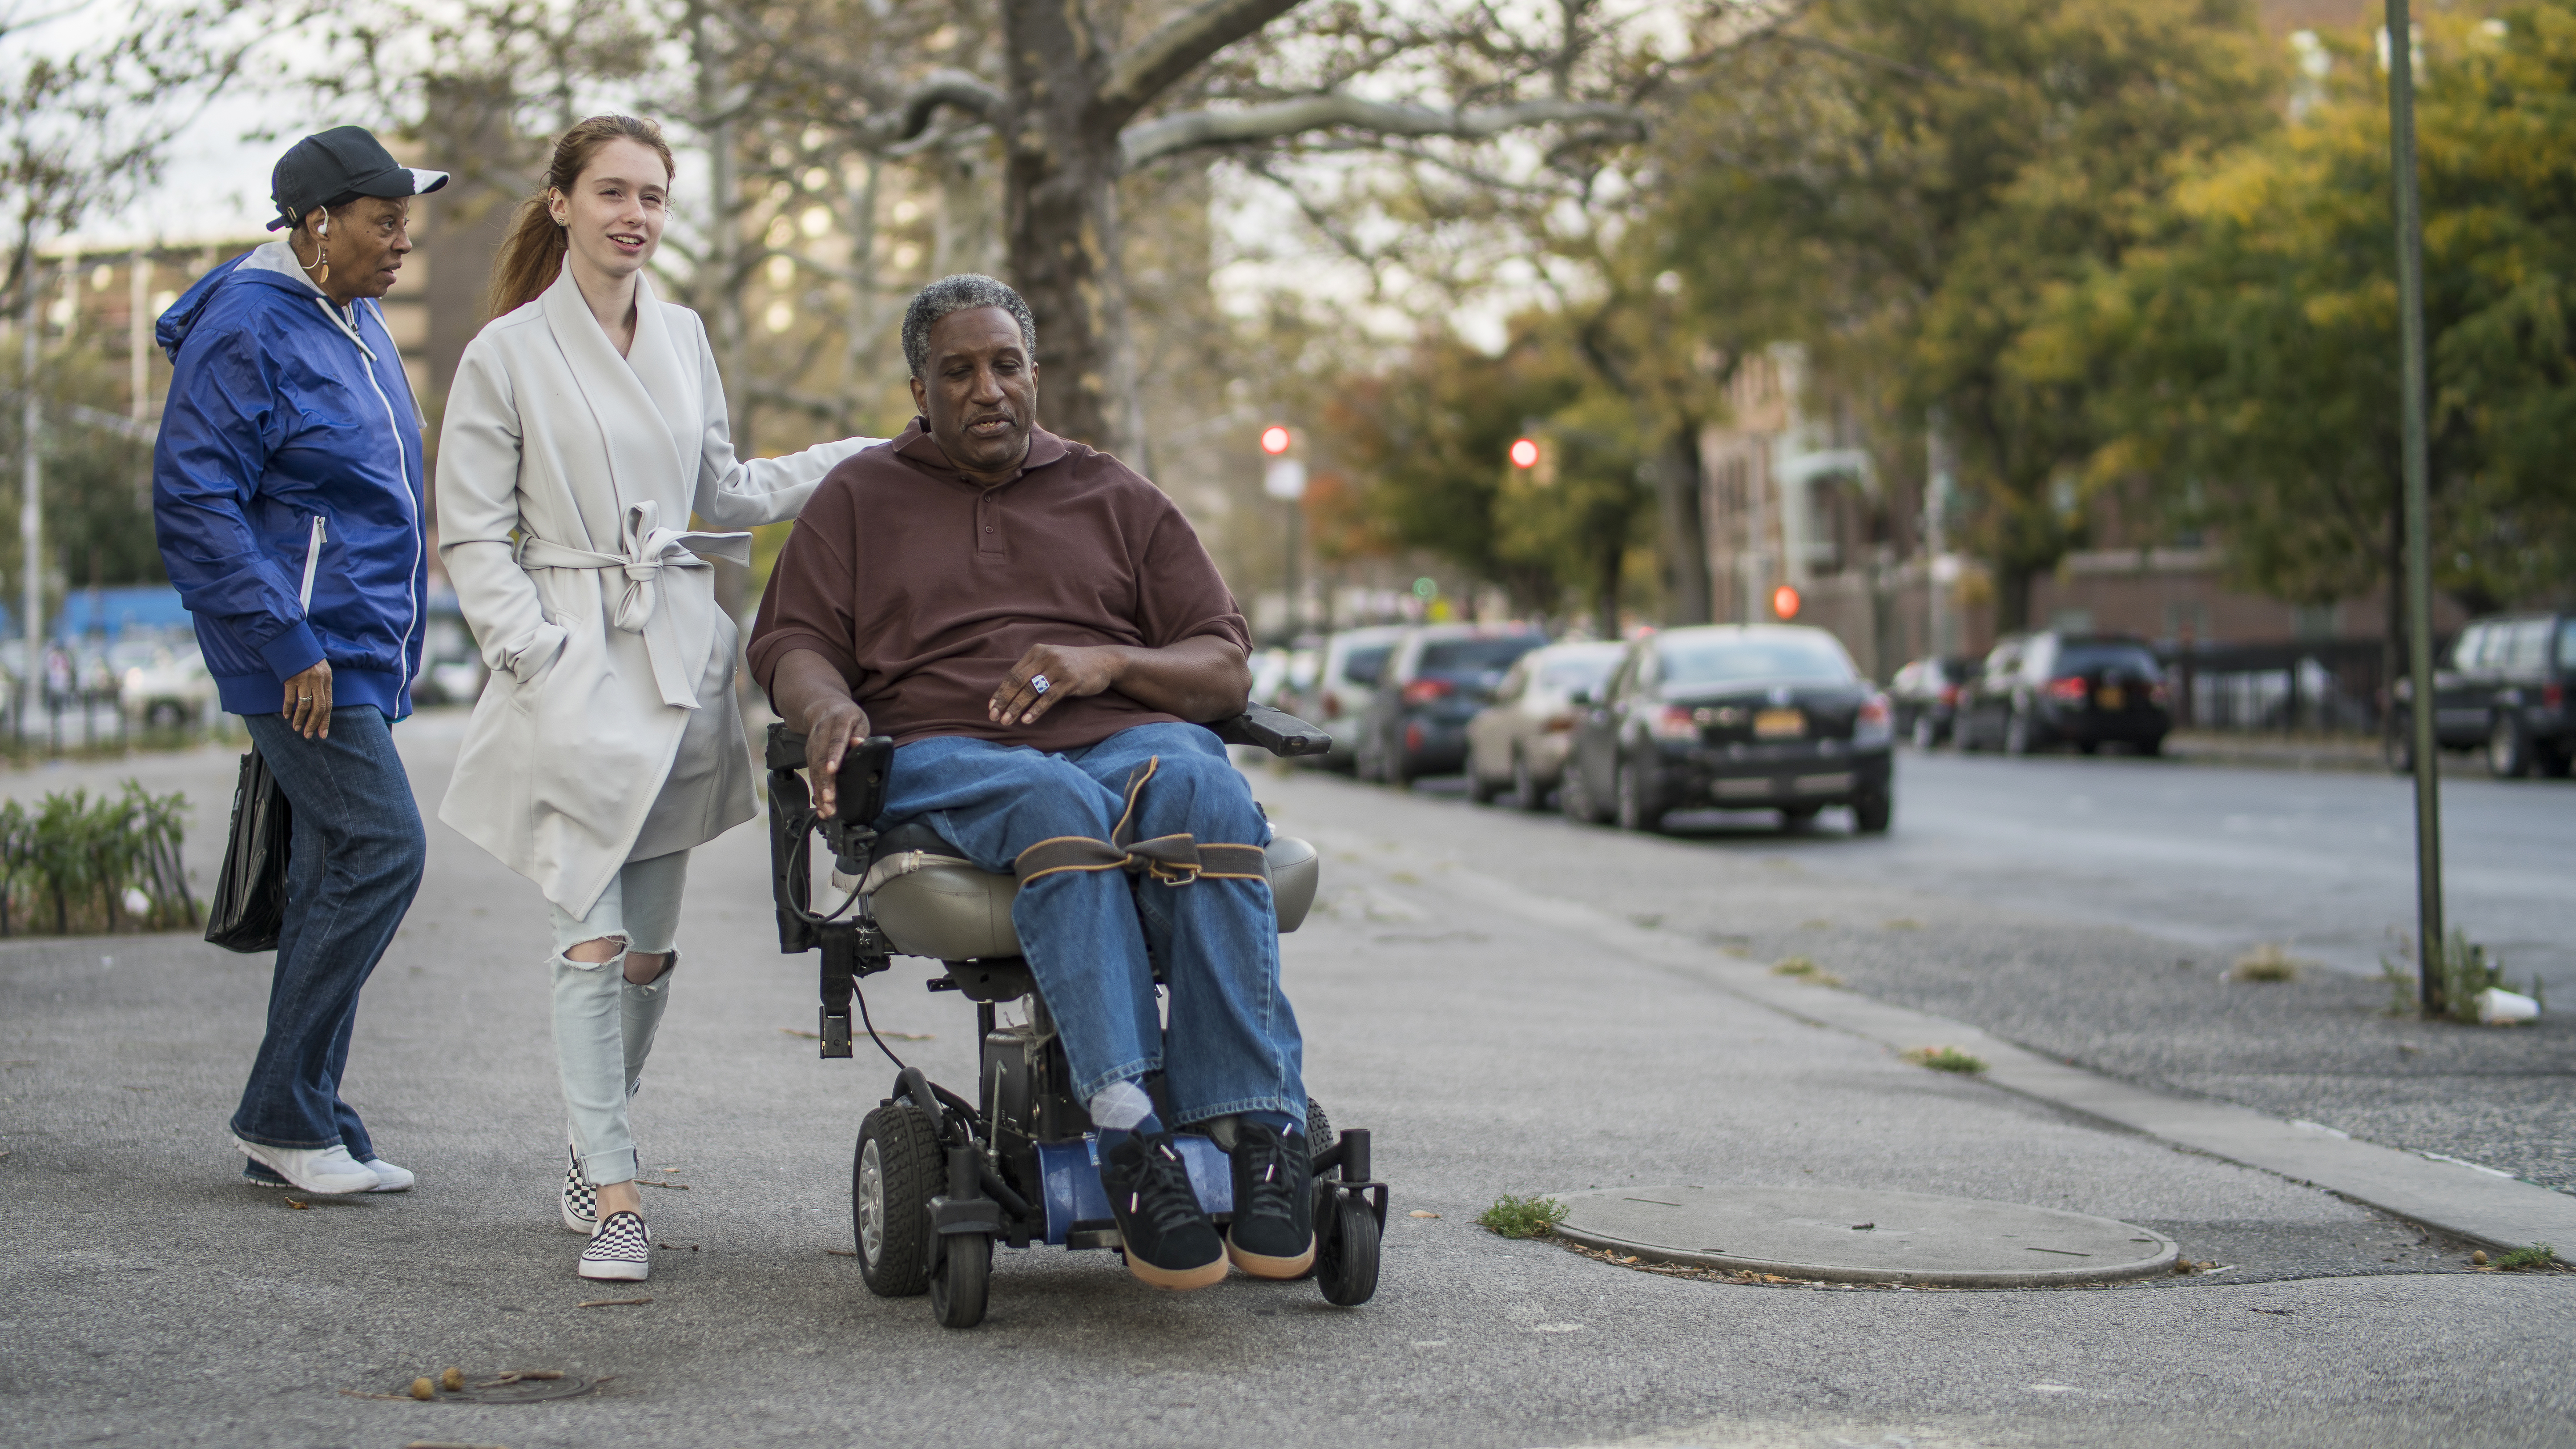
(1275, 730)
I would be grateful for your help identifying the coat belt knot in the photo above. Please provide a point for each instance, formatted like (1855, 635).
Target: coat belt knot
(645, 549)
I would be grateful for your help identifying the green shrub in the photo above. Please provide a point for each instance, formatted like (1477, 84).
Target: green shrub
(1522, 1217)
(2537, 1255)
(74, 867)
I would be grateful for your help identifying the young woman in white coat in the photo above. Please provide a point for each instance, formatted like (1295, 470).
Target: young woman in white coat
(586, 423)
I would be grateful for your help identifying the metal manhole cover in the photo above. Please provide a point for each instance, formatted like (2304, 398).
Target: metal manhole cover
(516, 1386)
(1859, 1236)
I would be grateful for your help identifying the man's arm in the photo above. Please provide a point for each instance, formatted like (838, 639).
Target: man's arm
(1202, 679)
(814, 699)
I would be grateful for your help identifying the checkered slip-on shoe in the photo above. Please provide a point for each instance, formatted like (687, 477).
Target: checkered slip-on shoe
(580, 1199)
(620, 1251)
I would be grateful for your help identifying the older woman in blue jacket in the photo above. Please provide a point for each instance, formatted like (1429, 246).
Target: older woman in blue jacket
(287, 496)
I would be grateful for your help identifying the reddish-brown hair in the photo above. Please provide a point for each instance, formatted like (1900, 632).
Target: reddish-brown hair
(531, 256)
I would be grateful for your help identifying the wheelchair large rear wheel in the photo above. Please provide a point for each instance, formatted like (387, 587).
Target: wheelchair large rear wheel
(897, 1169)
(964, 1279)
(1346, 1260)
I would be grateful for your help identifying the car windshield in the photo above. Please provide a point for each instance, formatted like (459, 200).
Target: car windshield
(1754, 656)
(1474, 656)
(2090, 658)
(1564, 676)
(1364, 664)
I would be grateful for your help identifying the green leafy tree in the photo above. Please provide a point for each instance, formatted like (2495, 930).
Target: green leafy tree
(2248, 358)
(1905, 185)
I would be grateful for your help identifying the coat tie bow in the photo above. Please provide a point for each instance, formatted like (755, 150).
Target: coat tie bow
(646, 548)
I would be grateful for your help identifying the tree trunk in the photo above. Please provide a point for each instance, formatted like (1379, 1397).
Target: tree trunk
(1060, 215)
(2012, 597)
(1683, 539)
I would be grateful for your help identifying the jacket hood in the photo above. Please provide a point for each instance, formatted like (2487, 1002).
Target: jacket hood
(171, 332)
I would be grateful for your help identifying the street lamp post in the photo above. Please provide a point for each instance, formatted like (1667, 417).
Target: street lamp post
(31, 515)
(2418, 512)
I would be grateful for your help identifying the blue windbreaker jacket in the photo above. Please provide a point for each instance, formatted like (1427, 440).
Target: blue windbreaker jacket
(284, 411)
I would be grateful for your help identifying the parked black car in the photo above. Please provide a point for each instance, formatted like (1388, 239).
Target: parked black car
(1434, 682)
(1925, 695)
(1736, 717)
(2503, 688)
(2044, 689)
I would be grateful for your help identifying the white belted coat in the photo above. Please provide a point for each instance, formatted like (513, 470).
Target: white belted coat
(566, 477)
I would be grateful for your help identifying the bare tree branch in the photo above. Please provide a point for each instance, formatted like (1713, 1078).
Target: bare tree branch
(1195, 130)
(969, 93)
(1177, 47)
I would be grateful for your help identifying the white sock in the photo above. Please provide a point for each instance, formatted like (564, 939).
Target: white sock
(1119, 1106)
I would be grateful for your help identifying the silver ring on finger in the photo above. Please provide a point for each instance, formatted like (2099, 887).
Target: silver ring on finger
(1039, 682)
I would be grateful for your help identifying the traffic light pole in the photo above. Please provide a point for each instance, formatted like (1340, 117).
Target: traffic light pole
(2418, 511)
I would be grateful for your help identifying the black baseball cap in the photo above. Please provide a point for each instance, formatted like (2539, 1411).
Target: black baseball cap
(337, 167)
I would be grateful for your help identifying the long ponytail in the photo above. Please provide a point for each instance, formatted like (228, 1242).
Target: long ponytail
(531, 255)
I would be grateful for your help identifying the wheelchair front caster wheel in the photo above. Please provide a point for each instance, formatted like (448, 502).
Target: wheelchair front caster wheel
(963, 1280)
(1346, 1260)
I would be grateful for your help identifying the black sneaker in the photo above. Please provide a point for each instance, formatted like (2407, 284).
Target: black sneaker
(1170, 1242)
(1273, 1232)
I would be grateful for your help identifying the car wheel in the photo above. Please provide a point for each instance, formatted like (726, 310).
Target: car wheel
(2551, 761)
(1480, 789)
(1870, 814)
(2151, 746)
(1799, 817)
(2508, 751)
(2017, 734)
(1925, 734)
(1640, 798)
(1392, 767)
(1526, 794)
(1575, 798)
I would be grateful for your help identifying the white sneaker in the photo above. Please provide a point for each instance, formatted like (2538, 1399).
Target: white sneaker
(315, 1169)
(620, 1251)
(389, 1178)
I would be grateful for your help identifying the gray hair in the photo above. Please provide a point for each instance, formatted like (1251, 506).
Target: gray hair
(961, 293)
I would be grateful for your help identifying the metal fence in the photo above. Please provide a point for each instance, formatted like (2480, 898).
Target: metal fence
(2320, 687)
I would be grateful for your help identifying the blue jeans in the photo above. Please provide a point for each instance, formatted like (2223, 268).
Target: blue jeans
(357, 860)
(1232, 1045)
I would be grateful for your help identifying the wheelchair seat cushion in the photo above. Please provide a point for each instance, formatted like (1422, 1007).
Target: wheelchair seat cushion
(931, 901)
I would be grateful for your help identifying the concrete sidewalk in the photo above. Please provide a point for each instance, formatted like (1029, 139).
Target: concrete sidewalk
(152, 1298)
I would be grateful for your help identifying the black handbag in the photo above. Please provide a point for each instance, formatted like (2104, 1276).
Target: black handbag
(249, 904)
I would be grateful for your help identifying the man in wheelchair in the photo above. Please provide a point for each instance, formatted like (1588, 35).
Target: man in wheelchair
(1041, 633)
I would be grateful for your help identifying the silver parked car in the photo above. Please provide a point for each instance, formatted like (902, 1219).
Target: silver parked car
(1516, 746)
(1340, 692)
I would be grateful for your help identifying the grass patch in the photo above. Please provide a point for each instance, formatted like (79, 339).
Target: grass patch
(1944, 1059)
(2267, 962)
(1806, 970)
(2463, 968)
(1522, 1217)
(2537, 1255)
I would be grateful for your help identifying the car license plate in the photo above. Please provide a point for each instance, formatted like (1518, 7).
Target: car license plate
(2112, 698)
(1779, 724)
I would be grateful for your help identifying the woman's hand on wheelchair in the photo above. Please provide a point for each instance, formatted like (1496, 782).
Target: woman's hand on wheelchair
(831, 728)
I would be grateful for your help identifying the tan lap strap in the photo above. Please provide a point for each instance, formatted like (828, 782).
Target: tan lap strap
(1174, 860)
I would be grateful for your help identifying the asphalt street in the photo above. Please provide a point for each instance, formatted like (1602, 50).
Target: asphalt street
(153, 1298)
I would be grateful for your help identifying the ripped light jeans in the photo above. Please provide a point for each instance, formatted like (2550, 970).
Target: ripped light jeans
(604, 1023)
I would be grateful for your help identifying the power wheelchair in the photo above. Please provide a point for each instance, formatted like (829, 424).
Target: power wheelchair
(937, 1180)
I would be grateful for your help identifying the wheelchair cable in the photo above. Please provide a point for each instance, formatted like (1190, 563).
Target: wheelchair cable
(861, 996)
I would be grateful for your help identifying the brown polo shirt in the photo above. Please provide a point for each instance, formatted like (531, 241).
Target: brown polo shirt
(923, 587)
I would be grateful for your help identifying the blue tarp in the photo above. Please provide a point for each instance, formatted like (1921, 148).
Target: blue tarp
(107, 611)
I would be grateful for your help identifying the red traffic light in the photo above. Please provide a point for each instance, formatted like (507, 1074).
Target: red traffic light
(1785, 601)
(1274, 440)
(1524, 453)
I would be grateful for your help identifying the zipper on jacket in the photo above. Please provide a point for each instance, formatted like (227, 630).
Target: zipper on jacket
(312, 561)
(402, 460)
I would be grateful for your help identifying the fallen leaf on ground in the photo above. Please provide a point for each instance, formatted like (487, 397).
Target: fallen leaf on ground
(297, 1203)
(613, 1303)
(1419, 1213)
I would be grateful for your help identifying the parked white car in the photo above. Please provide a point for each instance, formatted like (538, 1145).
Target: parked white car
(170, 691)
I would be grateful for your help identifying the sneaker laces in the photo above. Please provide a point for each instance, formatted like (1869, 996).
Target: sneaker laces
(1266, 1190)
(1163, 1196)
